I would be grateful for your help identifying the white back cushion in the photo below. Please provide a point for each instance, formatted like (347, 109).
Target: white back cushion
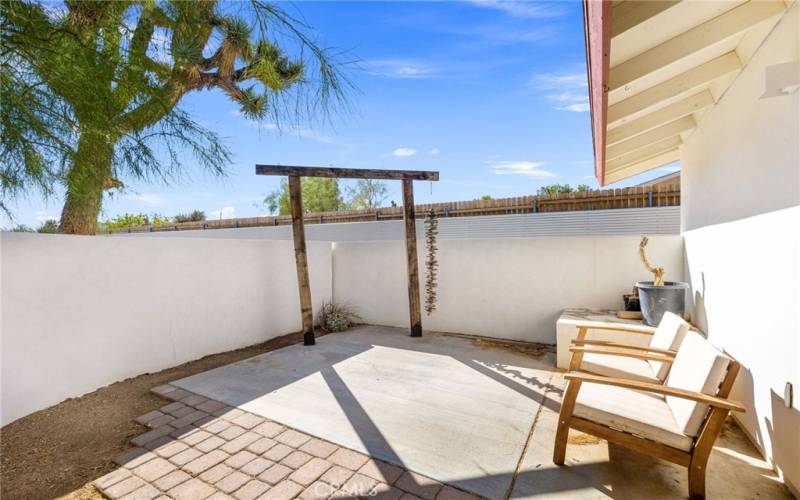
(668, 335)
(698, 367)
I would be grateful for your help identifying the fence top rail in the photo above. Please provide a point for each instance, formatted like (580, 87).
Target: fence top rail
(631, 197)
(347, 173)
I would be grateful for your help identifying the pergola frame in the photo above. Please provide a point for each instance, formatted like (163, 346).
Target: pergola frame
(299, 236)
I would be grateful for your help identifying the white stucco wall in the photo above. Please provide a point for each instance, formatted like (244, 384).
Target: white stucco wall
(79, 312)
(511, 288)
(741, 220)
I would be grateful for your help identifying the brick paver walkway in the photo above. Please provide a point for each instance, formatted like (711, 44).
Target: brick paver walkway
(198, 448)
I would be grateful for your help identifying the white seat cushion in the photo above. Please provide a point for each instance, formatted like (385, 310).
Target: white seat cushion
(644, 414)
(669, 335)
(619, 366)
(698, 367)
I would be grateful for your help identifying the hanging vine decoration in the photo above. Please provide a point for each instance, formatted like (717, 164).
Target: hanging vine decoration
(431, 264)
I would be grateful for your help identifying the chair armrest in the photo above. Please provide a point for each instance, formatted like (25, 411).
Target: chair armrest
(624, 353)
(611, 343)
(658, 389)
(617, 327)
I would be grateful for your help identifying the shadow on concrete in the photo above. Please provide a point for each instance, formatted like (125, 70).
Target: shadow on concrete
(595, 470)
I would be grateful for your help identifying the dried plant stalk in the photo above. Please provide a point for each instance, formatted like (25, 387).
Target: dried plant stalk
(335, 317)
(658, 272)
(431, 264)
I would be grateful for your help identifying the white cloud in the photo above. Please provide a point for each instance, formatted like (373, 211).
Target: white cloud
(563, 80)
(223, 213)
(517, 167)
(518, 8)
(43, 216)
(400, 68)
(301, 132)
(434, 152)
(402, 152)
(578, 107)
(146, 198)
(568, 91)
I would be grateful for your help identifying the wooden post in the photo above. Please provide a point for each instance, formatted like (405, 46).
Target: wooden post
(411, 257)
(296, 202)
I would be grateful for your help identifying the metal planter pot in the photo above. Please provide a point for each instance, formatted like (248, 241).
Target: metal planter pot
(656, 300)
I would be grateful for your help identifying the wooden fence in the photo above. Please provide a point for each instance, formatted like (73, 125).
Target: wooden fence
(632, 197)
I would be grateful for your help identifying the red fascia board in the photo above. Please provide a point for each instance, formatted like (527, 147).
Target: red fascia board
(597, 34)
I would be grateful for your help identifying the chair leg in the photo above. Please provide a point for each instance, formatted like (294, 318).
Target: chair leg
(560, 446)
(702, 451)
(697, 479)
(564, 416)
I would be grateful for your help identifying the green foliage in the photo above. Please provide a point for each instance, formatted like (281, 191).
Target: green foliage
(366, 194)
(129, 220)
(486, 197)
(158, 220)
(195, 216)
(555, 189)
(562, 189)
(20, 228)
(91, 93)
(319, 195)
(49, 226)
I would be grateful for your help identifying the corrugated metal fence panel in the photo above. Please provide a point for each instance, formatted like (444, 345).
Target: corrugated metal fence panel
(657, 220)
(661, 220)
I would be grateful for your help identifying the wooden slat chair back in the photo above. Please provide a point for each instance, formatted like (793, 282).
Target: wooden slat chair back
(695, 393)
(649, 363)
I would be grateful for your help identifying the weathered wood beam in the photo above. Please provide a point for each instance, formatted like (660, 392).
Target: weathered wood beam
(301, 259)
(684, 83)
(347, 173)
(730, 23)
(415, 313)
(597, 34)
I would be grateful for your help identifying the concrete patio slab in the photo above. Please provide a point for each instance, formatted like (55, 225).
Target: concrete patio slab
(456, 409)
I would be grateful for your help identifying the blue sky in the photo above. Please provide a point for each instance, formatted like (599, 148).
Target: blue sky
(491, 94)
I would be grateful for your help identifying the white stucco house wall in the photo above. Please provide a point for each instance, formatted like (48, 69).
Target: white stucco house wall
(739, 155)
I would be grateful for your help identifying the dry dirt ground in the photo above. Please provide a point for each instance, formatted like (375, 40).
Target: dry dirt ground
(57, 452)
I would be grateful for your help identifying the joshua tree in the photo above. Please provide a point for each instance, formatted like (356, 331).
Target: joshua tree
(658, 272)
(91, 92)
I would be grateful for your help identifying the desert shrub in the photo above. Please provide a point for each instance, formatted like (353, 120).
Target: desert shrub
(49, 226)
(195, 216)
(130, 220)
(335, 317)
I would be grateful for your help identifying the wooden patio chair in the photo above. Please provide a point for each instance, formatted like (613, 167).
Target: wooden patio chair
(649, 363)
(677, 421)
